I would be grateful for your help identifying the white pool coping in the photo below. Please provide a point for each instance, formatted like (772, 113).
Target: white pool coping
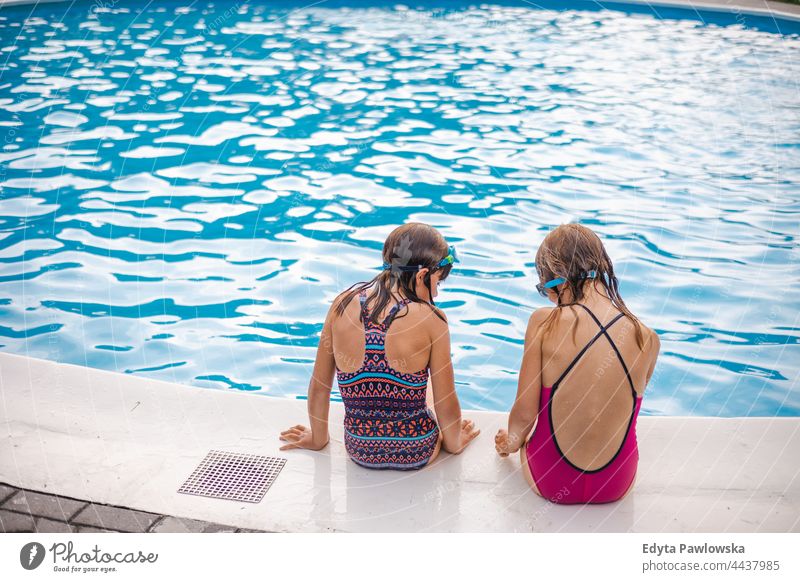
(125, 440)
(755, 7)
(758, 7)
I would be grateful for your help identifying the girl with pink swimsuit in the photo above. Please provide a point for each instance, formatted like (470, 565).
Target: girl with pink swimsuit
(581, 381)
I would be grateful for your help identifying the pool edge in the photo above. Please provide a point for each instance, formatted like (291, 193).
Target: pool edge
(778, 10)
(128, 441)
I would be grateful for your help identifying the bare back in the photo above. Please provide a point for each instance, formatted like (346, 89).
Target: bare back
(593, 402)
(408, 340)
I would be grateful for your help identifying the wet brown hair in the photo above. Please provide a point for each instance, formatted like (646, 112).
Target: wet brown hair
(410, 245)
(568, 251)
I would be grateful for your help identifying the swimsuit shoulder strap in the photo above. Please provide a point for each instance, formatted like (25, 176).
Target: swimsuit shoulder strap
(390, 316)
(362, 297)
(590, 343)
(365, 311)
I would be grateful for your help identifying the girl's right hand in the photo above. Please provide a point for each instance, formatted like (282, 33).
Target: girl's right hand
(468, 434)
(300, 437)
(501, 443)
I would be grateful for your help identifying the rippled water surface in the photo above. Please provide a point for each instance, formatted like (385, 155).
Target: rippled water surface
(186, 186)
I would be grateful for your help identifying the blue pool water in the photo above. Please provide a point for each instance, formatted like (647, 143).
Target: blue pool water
(186, 186)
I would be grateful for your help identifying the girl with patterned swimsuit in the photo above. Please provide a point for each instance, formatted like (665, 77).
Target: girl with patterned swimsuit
(585, 366)
(389, 347)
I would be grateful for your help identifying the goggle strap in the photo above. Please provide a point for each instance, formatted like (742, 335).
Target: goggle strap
(554, 282)
(589, 275)
(387, 267)
(450, 259)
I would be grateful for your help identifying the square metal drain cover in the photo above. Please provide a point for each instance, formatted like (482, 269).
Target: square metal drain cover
(234, 476)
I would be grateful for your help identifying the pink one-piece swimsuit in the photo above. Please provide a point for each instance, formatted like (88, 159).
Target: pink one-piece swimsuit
(558, 479)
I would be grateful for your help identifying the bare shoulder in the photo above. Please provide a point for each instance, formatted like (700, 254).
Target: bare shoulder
(431, 314)
(341, 297)
(432, 319)
(536, 321)
(538, 316)
(351, 309)
(653, 342)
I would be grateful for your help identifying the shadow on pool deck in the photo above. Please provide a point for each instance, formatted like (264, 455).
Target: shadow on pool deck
(130, 442)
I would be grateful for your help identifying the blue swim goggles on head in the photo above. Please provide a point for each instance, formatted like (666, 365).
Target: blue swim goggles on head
(541, 287)
(451, 258)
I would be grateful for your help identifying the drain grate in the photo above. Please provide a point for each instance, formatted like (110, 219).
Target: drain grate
(234, 476)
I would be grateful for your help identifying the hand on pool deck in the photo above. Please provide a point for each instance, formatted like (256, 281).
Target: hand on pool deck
(301, 437)
(501, 443)
(468, 434)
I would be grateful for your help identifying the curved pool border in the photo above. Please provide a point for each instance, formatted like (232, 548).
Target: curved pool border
(776, 10)
(780, 10)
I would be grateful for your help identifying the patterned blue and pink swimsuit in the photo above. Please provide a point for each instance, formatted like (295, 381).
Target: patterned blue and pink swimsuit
(387, 424)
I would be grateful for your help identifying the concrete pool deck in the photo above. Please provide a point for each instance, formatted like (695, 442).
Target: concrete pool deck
(127, 441)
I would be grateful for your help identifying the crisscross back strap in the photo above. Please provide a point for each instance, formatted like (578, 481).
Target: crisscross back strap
(603, 330)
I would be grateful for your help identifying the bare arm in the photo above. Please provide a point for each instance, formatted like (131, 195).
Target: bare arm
(319, 388)
(319, 397)
(526, 405)
(655, 350)
(455, 435)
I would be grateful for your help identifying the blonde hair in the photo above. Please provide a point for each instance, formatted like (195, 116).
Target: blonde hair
(569, 251)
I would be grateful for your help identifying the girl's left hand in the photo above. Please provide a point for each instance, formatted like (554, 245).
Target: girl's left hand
(501, 443)
(300, 437)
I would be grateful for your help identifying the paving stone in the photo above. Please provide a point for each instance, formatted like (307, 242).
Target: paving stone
(118, 518)
(5, 491)
(11, 522)
(185, 525)
(34, 511)
(44, 525)
(44, 505)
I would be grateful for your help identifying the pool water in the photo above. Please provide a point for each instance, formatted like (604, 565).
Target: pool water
(186, 186)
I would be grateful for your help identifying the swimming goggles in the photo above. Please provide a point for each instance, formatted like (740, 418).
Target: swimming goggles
(540, 287)
(451, 258)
